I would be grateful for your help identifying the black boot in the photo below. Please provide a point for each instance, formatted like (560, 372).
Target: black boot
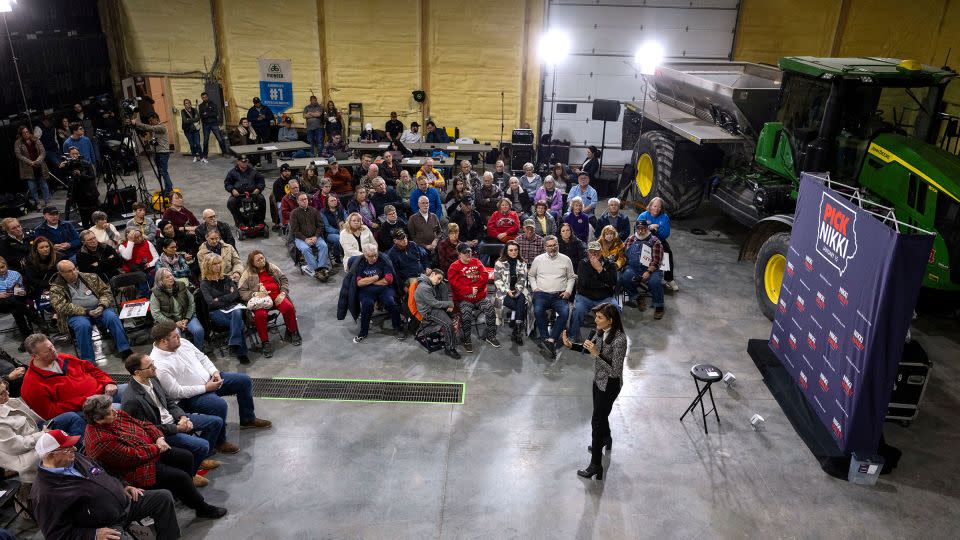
(608, 445)
(591, 470)
(518, 333)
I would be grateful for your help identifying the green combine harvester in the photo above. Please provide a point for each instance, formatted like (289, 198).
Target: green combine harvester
(740, 134)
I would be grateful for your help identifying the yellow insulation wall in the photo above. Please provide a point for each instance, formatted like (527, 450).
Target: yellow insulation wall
(169, 36)
(769, 29)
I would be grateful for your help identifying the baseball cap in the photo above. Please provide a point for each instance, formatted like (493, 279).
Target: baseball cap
(398, 234)
(51, 210)
(285, 167)
(643, 223)
(464, 247)
(256, 100)
(468, 201)
(54, 439)
(414, 124)
(529, 223)
(594, 246)
(331, 159)
(288, 120)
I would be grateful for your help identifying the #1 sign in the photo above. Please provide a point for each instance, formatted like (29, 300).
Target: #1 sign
(276, 84)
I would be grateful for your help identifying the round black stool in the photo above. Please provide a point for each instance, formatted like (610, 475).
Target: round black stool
(707, 374)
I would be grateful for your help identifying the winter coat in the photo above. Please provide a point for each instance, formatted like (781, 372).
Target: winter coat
(501, 278)
(349, 299)
(250, 282)
(162, 303)
(60, 298)
(23, 159)
(231, 259)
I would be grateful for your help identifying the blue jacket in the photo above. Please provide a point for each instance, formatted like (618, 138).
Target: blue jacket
(331, 221)
(622, 224)
(349, 299)
(662, 222)
(83, 145)
(436, 205)
(65, 232)
(589, 197)
(439, 135)
(410, 263)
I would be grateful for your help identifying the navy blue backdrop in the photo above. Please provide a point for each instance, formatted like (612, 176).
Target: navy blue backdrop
(845, 305)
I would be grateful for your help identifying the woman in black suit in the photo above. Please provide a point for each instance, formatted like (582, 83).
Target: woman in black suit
(591, 165)
(608, 347)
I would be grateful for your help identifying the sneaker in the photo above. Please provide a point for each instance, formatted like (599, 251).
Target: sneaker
(467, 346)
(199, 481)
(358, 339)
(244, 359)
(658, 313)
(322, 275)
(306, 270)
(267, 349)
(194, 159)
(294, 338)
(204, 160)
(256, 423)
(209, 464)
(452, 353)
(672, 285)
(228, 448)
(401, 336)
(211, 512)
(551, 347)
(493, 341)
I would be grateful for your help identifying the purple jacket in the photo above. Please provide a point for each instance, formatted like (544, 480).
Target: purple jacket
(556, 203)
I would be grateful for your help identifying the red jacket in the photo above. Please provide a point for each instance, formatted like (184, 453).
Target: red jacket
(126, 448)
(464, 277)
(287, 205)
(50, 393)
(503, 223)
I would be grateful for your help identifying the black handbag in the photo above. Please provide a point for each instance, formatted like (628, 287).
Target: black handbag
(432, 342)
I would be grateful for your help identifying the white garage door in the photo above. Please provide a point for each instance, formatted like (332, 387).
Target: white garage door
(603, 40)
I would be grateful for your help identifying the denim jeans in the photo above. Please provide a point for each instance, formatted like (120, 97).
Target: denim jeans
(315, 140)
(581, 307)
(196, 331)
(193, 138)
(320, 260)
(234, 321)
(234, 384)
(207, 433)
(542, 301)
(83, 332)
(384, 294)
(39, 190)
(518, 305)
(655, 283)
(163, 159)
(215, 129)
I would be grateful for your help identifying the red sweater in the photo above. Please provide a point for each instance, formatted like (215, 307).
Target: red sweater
(143, 254)
(50, 393)
(503, 223)
(464, 277)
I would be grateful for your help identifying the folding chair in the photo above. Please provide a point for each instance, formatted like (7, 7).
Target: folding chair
(128, 287)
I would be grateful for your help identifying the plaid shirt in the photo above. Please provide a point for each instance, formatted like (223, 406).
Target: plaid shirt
(126, 448)
(656, 250)
(530, 248)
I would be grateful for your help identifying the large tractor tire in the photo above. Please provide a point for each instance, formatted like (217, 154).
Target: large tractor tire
(657, 172)
(768, 273)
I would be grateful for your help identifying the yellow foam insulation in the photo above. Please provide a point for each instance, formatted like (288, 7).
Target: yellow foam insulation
(770, 29)
(891, 28)
(170, 36)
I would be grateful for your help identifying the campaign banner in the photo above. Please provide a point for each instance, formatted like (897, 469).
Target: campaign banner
(276, 84)
(847, 298)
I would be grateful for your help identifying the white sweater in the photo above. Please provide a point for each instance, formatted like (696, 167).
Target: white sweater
(551, 275)
(349, 244)
(184, 372)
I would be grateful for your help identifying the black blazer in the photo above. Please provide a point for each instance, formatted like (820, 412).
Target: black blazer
(138, 404)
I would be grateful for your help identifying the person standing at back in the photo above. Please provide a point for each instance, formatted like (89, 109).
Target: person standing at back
(190, 124)
(313, 115)
(210, 121)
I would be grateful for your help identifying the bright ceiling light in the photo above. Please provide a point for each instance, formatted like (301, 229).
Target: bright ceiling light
(649, 57)
(554, 47)
(6, 6)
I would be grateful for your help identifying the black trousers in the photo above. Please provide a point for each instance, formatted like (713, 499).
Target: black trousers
(173, 473)
(157, 504)
(17, 305)
(600, 423)
(668, 275)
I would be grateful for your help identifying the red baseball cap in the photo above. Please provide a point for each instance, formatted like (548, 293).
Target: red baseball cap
(54, 440)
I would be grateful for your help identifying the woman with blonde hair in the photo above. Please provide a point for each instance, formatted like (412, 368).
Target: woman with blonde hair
(222, 297)
(264, 279)
(353, 237)
(612, 248)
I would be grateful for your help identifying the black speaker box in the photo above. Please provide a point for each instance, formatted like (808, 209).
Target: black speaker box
(522, 136)
(520, 154)
(606, 110)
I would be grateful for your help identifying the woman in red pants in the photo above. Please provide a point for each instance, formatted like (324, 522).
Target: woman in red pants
(263, 279)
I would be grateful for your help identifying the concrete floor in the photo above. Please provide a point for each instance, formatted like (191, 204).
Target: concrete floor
(502, 465)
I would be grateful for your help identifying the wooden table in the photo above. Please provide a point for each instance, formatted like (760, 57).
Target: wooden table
(268, 149)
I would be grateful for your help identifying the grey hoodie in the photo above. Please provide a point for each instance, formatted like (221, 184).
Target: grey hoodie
(430, 298)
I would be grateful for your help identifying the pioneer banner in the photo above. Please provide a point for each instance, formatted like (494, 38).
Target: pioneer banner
(848, 293)
(276, 84)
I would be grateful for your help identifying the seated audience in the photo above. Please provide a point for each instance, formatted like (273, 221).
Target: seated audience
(21, 427)
(308, 232)
(551, 279)
(15, 245)
(488, 196)
(361, 205)
(353, 236)
(383, 196)
(408, 259)
(390, 169)
(591, 165)
(210, 221)
(190, 377)
(636, 271)
(469, 178)
(405, 188)
(13, 299)
(171, 301)
(612, 217)
(461, 189)
(518, 197)
(310, 179)
(58, 383)
(232, 264)
(543, 221)
(370, 279)
(390, 221)
(184, 222)
(279, 190)
(105, 232)
(147, 401)
(341, 181)
(660, 227)
(530, 243)
(138, 254)
(561, 175)
(578, 220)
(222, 297)
(393, 127)
(435, 206)
(432, 297)
(62, 234)
(242, 181)
(82, 301)
(319, 198)
(611, 247)
(588, 195)
(596, 284)
(334, 218)
(289, 202)
(335, 145)
(530, 181)
(435, 135)
(369, 134)
(551, 195)
(74, 498)
(98, 258)
(431, 174)
(424, 226)
(370, 173)
(411, 135)
(288, 133)
(504, 224)
(447, 248)
(510, 278)
(468, 283)
(137, 452)
(501, 176)
(263, 279)
(142, 221)
(470, 223)
(40, 267)
(571, 246)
